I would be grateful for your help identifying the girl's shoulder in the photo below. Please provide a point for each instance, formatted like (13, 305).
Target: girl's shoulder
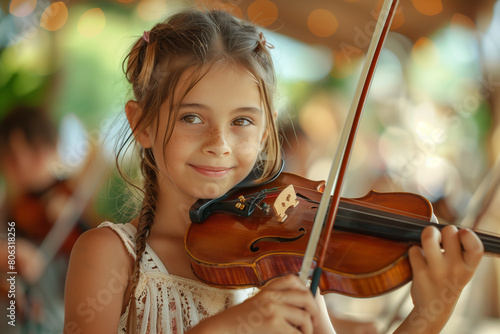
(107, 241)
(100, 267)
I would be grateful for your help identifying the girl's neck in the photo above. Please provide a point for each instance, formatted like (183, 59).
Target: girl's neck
(172, 215)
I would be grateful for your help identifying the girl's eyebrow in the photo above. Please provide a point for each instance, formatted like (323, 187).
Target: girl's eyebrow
(193, 106)
(204, 107)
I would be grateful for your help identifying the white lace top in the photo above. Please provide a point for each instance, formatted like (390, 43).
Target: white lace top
(169, 303)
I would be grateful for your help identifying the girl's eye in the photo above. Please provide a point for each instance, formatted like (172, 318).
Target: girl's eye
(192, 119)
(242, 122)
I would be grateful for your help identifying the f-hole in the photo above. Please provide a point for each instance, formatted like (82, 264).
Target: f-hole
(254, 248)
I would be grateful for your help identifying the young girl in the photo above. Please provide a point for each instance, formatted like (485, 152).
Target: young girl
(203, 116)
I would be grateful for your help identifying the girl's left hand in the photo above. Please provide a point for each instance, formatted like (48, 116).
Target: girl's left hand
(441, 268)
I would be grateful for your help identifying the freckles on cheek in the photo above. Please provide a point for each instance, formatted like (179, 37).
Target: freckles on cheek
(249, 147)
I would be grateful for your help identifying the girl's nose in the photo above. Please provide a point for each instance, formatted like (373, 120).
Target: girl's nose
(216, 143)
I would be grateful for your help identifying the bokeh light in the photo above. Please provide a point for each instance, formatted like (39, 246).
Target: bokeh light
(322, 23)
(428, 7)
(462, 20)
(436, 178)
(22, 8)
(210, 4)
(289, 54)
(317, 119)
(91, 22)
(152, 10)
(425, 53)
(33, 58)
(263, 12)
(233, 10)
(54, 17)
(397, 148)
(344, 61)
(388, 79)
(399, 19)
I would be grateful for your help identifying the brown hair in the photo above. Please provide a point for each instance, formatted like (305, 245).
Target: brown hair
(34, 123)
(196, 40)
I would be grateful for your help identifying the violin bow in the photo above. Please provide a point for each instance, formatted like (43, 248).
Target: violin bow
(74, 207)
(341, 159)
(482, 198)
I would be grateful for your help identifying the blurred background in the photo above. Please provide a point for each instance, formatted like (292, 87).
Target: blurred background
(430, 126)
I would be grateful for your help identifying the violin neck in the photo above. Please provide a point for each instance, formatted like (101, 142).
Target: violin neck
(396, 227)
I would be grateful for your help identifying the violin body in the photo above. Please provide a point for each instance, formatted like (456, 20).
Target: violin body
(233, 251)
(34, 220)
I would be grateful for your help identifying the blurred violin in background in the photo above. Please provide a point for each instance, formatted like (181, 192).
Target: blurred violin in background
(35, 213)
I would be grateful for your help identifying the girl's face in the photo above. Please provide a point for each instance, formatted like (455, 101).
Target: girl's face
(218, 134)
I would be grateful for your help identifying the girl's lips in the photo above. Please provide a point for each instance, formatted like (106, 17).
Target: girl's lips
(211, 171)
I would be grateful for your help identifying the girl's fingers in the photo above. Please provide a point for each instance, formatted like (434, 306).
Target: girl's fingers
(286, 283)
(473, 248)
(301, 300)
(451, 244)
(293, 301)
(417, 259)
(299, 319)
(431, 244)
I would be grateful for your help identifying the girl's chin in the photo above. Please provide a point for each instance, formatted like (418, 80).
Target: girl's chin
(213, 190)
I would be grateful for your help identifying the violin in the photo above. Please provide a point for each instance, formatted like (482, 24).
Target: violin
(30, 213)
(268, 227)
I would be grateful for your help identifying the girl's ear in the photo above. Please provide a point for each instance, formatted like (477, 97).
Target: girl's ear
(133, 112)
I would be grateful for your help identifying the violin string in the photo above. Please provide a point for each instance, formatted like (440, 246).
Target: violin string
(397, 220)
(381, 208)
(404, 221)
(491, 242)
(419, 222)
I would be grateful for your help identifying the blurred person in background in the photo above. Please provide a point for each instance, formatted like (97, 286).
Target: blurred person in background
(34, 198)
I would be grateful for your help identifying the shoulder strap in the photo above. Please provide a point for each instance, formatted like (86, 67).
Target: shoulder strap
(126, 232)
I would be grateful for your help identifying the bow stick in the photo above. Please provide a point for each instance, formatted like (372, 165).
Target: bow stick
(341, 159)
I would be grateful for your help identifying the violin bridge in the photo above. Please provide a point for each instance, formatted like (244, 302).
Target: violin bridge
(285, 199)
